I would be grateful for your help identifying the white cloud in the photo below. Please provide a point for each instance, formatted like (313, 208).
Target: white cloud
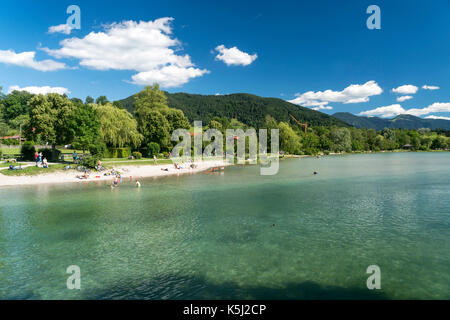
(404, 98)
(437, 117)
(322, 108)
(426, 87)
(62, 28)
(27, 59)
(435, 107)
(145, 47)
(167, 76)
(384, 112)
(354, 93)
(234, 56)
(406, 89)
(396, 109)
(40, 90)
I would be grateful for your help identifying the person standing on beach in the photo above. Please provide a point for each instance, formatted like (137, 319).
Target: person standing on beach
(39, 158)
(36, 155)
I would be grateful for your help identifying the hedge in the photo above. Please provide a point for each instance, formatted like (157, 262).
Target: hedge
(117, 152)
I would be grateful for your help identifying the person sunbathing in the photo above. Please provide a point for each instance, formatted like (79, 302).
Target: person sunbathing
(84, 176)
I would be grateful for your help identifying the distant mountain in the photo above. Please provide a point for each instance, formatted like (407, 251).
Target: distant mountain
(403, 121)
(247, 108)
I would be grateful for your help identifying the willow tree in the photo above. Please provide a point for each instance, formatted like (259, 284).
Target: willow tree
(118, 128)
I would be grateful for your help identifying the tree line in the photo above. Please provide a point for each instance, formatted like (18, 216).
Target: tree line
(100, 125)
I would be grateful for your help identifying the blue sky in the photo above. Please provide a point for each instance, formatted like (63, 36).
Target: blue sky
(307, 52)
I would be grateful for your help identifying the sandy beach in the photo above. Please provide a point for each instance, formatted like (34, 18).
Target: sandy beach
(134, 171)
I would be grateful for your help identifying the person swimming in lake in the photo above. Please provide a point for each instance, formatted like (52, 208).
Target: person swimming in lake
(138, 184)
(116, 181)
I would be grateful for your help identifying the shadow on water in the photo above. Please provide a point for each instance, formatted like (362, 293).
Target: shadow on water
(195, 288)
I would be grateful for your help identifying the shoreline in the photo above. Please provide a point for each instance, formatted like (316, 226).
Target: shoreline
(134, 171)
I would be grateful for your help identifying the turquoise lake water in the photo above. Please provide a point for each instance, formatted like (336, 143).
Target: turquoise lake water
(211, 236)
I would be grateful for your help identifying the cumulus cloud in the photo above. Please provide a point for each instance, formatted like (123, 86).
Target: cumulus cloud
(354, 93)
(40, 90)
(384, 112)
(396, 109)
(27, 59)
(145, 47)
(234, 56)
(437, 117)
(61, 28)
(404, 98)
(406, 89)
(322, 108)
(435, 107)
(426, 87)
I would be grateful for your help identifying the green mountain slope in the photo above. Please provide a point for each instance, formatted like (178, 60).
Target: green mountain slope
(247, 108)
(403, 121)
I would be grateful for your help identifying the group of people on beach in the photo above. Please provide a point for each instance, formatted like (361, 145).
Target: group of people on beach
(40, 159)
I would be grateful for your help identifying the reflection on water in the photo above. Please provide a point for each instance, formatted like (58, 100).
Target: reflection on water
(237, 235)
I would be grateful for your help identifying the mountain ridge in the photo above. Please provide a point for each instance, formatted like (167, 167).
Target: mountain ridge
(247, 108)
(402, 121)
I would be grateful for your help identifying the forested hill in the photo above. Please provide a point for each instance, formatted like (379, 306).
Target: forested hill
(247, 108)
(403, 121)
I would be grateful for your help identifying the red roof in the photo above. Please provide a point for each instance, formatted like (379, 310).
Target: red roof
(11, 137)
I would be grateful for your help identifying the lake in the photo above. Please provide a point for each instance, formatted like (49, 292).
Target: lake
(236, 234)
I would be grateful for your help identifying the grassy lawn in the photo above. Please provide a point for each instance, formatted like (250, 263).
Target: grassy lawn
(31, 171)
(10, 151)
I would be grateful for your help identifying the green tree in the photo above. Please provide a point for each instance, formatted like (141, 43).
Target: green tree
(15, 104)
(85, 126)
(213, 124)
(117, 126)
(101, 100)
(341, 139)
(89, 99)
(289, 140)
(176, 119)
(154, 127)
(151, 98)
(49, 119)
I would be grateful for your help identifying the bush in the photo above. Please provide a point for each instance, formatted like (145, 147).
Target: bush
(90, 161)
(137, 155)
(50, 154)
(1, 153)
(97, 149)
(153, 149)
(27, 151)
